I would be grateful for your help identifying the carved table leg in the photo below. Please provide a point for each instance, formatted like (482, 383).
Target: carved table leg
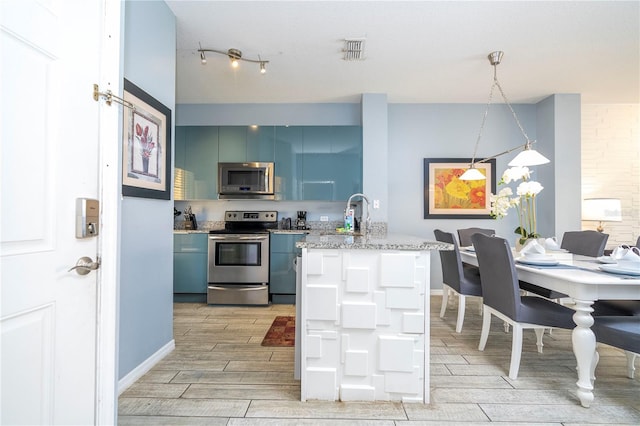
(584, 348)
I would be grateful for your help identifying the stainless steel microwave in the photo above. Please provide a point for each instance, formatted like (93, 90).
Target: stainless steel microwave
(250, 180)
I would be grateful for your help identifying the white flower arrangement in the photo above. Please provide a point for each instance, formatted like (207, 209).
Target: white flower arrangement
(525, 200)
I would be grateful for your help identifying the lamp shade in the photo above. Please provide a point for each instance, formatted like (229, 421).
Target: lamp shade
(472, 174)
(528, 157)
(602, 209)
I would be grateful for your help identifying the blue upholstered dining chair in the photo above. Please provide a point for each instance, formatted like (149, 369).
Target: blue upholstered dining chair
(464, 237)
(616, 308)
(455, 278)
(586, 243)
(464, 234)
(621, 332)
(501, 297)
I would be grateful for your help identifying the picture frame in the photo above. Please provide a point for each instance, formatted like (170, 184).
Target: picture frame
(447, 197)
(146, 151)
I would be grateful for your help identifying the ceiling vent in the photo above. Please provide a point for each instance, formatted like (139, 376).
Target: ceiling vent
(353, 49)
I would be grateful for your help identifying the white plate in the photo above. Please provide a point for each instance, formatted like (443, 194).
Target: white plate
(606, 259)
(619, 270)
(557, 250)
(536, 256)
(541, 262)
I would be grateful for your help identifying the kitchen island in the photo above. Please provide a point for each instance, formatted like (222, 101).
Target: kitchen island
(364, 317)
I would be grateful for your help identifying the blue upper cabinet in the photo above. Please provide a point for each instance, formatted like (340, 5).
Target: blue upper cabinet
(246, 143)
(288, 162)
(261, 143)
(320, 163)
(196, 163)
(232, 144)
(331, 162)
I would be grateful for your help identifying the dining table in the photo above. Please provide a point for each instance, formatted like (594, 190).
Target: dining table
(583, 279)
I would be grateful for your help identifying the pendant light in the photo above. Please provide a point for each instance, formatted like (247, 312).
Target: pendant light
(528, 156)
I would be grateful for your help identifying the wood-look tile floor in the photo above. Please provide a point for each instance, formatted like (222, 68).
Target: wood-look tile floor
(219, 374)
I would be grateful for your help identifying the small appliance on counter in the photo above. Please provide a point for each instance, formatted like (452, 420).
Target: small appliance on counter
(285, 223)
(190, 222)
(301, 221)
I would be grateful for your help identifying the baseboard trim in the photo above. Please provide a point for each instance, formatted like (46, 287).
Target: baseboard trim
(145, 366)
(436, 292)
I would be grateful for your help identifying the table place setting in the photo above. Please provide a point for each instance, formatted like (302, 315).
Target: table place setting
(534, 253)
(624, 260)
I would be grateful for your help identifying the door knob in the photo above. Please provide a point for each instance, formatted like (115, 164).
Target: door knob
(84, 265)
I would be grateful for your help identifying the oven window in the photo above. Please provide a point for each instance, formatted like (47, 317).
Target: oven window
(238, 254)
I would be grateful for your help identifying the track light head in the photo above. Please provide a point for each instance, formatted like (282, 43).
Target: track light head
(235, 55)
(203, 59)
(263, 69)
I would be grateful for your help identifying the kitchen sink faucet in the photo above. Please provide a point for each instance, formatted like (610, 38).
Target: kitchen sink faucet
(366, 228)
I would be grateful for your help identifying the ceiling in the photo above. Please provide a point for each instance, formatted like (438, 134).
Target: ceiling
(415, 51)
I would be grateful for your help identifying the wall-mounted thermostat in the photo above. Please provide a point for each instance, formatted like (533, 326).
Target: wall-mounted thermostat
(87, 216)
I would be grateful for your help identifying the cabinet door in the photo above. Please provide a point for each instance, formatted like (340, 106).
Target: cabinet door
(189, 272)
(201, 163)
(332, 162)
(288, 167)
(318, 181)
(346, 150)
(260, 143)
(190, 263)
(232, 144)
(282, 275)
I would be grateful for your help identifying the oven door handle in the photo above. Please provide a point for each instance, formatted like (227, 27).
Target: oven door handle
(239, 237)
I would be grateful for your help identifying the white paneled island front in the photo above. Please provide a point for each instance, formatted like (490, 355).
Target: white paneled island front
(364, 317)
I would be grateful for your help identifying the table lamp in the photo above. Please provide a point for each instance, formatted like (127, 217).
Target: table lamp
(602, 210)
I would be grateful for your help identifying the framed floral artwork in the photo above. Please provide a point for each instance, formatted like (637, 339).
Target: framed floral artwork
(448, 197)
(146, 152)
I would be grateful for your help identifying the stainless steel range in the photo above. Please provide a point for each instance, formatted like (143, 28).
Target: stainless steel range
(238, 271)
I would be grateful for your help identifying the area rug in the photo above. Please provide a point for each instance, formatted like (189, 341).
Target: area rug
(281, 333)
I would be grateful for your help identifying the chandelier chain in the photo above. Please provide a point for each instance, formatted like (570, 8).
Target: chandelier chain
(484, 120)
(515, 117)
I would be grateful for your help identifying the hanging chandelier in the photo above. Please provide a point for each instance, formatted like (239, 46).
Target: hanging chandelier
(527, 157)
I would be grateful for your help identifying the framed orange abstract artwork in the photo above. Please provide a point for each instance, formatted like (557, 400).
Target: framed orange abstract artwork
(448, 197)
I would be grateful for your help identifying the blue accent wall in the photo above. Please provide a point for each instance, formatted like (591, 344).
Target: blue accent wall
(146, 256)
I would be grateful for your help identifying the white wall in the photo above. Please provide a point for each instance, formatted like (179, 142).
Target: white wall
(611, 165)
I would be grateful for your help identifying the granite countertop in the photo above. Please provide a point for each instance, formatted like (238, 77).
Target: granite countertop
(371, 242)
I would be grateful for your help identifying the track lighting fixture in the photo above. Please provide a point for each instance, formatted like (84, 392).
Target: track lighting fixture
(235, 56)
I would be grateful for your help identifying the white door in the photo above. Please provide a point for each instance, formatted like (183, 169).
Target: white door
(52, 53)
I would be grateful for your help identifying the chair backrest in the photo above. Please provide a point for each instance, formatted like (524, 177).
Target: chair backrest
(498, 276)
(450, 260)
(638, 242)
(464, 235)
(586, 243)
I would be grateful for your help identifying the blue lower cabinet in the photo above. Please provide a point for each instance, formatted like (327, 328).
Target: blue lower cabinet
(190, 267)
(282, 272)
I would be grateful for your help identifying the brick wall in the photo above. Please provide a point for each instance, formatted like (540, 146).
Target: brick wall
(611, 165)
